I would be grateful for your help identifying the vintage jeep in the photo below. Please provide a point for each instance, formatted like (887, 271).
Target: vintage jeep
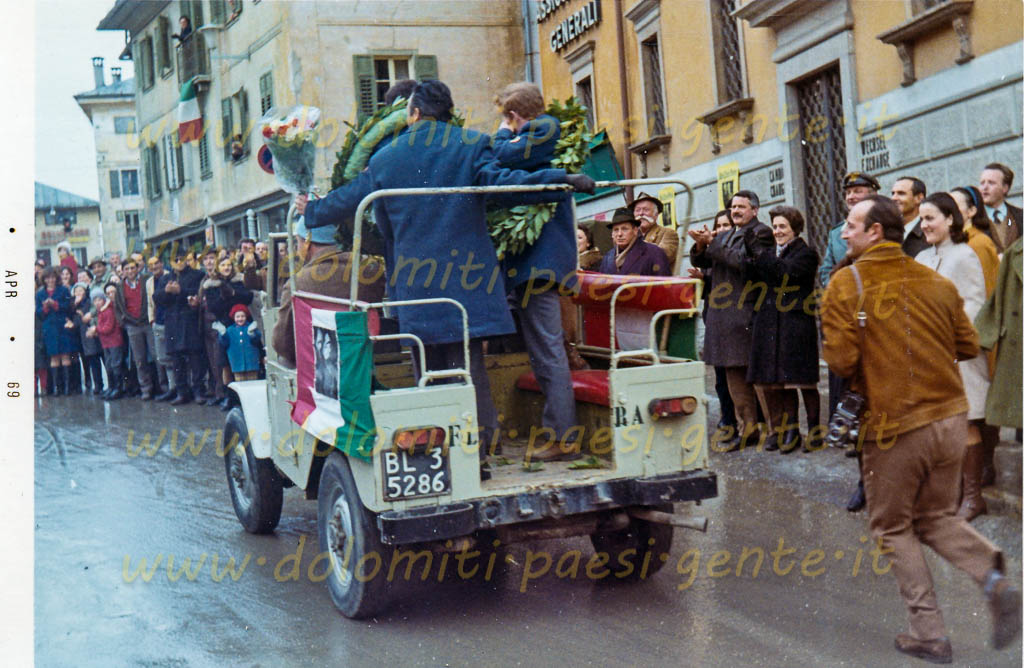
(409, 474)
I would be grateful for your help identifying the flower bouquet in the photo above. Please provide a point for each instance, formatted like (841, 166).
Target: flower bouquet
(290, 135)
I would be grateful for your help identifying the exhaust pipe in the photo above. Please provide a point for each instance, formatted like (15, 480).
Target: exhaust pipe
(661, 517)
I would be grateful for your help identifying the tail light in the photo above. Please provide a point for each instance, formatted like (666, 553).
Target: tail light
(660, 408)
(425, 437)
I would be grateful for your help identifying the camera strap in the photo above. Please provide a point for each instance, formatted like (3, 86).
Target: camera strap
(862, 316)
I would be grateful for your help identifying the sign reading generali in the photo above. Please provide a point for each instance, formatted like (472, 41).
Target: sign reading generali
(572, 26)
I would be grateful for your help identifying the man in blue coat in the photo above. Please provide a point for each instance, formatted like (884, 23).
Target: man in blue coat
(526, 140)
(631, 254)
(438, 245)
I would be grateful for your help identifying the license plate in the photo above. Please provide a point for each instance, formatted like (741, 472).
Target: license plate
(415, 474)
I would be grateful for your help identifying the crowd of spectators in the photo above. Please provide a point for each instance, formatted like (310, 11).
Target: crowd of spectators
(135, 327)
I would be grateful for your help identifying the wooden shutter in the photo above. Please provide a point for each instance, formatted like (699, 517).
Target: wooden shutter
(366, 99)
(115, 184)
(217, 12)
(424, 67)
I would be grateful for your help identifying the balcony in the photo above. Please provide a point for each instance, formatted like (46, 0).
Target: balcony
(193, 59)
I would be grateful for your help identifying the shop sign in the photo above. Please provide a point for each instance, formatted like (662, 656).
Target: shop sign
(573, 26)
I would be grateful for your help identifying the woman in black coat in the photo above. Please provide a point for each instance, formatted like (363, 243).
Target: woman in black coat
(784, 354)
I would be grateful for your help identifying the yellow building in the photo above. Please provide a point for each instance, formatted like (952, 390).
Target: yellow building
(793, 92)
(247, 57)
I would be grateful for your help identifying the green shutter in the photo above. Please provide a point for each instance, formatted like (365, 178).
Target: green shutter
(366, 99)
(243, 116)
(217, 12)
(115, 184)
(424, 67)
(197, 13)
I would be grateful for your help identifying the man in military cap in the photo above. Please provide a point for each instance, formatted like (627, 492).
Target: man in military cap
(646, 209)
(631, 254)
(98, 267)
(856, 186)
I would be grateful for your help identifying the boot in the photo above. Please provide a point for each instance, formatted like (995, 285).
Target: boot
(74, 377)
(989, 440)
(973, 503)
(576, 363)
(790, 441)
(60, 382)
(858, 500)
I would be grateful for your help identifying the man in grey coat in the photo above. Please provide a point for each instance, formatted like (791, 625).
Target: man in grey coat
(727, 337)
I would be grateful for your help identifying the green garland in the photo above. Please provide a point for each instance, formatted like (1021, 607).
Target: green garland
(512, 230)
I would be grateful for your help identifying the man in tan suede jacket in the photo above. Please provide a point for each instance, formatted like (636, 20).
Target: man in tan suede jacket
(898, 335)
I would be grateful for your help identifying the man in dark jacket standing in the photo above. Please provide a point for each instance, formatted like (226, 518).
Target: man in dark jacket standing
(908, 192)
(526, 140)
(440, 231)
(176, 291)
(727, 337)
(631, 254)
(132, 308)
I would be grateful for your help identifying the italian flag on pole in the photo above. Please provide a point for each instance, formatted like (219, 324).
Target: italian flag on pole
(190, 122)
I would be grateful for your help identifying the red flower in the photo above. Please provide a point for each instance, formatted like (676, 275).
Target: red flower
(281, 130)
(267, 132)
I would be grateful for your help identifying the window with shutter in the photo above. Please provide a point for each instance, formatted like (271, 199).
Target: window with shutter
(425, 67)
(205, 169)
(174, 169)
(266, 92)
(366, 101)
(163, 44)
(218, 13)
(151, 165)
(115, 184)
(129, 182)
(197, 13)
(226, 123)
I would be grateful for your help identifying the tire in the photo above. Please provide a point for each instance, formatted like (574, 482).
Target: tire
(637, 537)
(349, 536)
(254, 484)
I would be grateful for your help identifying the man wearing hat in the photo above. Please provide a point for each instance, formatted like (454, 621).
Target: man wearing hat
(631, 254)
(856, 186)
(646, 209)
(326, 271)
(98, 267)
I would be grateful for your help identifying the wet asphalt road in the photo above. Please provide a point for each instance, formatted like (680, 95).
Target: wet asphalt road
(101, 508)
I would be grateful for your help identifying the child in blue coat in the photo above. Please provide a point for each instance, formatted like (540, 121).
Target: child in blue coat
(243, 344)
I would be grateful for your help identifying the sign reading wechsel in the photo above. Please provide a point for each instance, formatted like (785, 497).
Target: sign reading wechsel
(574, 25)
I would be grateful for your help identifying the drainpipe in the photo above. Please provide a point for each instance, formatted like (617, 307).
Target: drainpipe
(620, 40)
(532, 65)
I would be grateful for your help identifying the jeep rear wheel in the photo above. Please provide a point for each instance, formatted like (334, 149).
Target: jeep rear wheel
(255, 485)
(633, 544)
(348, 534)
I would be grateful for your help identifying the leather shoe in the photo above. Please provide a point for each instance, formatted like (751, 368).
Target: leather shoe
(1004, 602)
(935, 651)
(790, 442)
(772, 442)
(180, 399)
(166, 396)
(858, 500)
(114, 396)
(145, 396)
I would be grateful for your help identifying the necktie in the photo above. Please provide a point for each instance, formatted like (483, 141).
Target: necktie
(995, 217)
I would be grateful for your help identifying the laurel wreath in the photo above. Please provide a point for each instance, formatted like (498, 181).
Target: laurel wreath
(512, 230)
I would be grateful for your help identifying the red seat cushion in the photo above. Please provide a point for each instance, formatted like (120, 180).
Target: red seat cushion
(596, 291)
(589, 386)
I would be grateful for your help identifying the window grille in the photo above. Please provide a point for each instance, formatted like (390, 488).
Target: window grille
(585, 93)
(652, 85)
(729, 63)
(823, 148)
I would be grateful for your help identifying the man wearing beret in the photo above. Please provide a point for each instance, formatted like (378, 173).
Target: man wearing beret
(646, 209)
(631, 254)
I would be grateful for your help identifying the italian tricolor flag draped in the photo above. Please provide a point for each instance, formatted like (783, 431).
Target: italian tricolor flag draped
(190, 122)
